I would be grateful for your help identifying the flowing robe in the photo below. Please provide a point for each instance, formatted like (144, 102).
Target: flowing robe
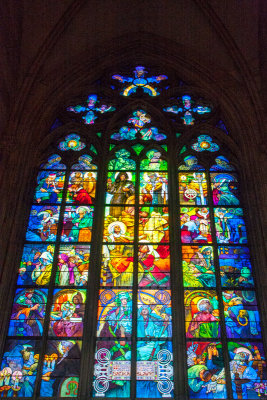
(119, 195)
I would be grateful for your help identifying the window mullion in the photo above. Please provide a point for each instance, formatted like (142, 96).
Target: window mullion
(90, 322)
(218, 289)
(179, 342)
(135, 288)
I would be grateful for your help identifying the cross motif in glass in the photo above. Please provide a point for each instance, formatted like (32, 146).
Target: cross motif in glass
(90, 110)
(187, 110)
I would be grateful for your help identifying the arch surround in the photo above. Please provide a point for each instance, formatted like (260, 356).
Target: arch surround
(31, 122)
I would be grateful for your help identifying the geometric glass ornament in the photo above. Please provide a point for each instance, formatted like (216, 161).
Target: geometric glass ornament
(90, 110)
(93, 149)
(188, 111)
(204, 142)
(53, 162)
(138, 148)
(71, 142)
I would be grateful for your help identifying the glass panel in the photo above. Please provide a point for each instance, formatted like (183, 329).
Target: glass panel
(205, 143)
(71, 142)
(139, 79)
(28, 312)
(195, 225)
(138, 128)
(93, 149)
(73, 265)
(201, 314)
(189, 109)
(154, 375)
(154, 184)
(117, 265)
(241, 314)
(198, 266)
(53, 163)
(191, 164)
(43, 223)
(230, 226)
(114, 313)
(112, 372)
(222, 164)
(153, 266)
(154, 314)
(154, 162)
(61, 368)
(90, 109)
(84, 164)
(122, 161)
(125, 133)
(67, 313)
(77, 224)
(81, 188)
(224, 189)
(36, 264)
(19, 368)
(120, 188)
(193, 188)
(138, 148)
(206, 373)
(248, 370)
(235, 266)
(154, 224)
(152, 133)
(119, 224)
(49, 187)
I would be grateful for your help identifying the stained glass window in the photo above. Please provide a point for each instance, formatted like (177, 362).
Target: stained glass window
(135, 278)
(46, 323)
(221, 309)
